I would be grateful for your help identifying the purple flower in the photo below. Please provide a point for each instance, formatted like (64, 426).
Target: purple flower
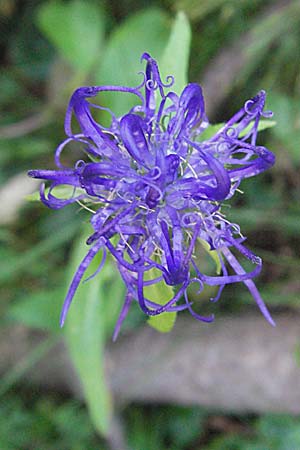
(155, 187)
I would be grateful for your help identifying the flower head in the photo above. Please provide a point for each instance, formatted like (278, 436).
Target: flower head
(156, 186)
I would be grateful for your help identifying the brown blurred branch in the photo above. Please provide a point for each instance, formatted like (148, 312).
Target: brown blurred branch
(236, 364)
(13, 196)
(221, 73)
(25, 126)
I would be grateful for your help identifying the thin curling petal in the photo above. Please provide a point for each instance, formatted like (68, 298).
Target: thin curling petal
(190, 110)
(62, 177)
(219, 172)
(155, 189)
(250, 113)
(264, 160)
(250, 285)
(133, 136)
(207, 319)
(127, 303)
(56, 203)
(160, 309)
(77, 279)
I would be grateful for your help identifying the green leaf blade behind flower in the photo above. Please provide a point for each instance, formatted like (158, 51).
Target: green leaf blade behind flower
(62, 192)
(213, 255)
(145, 31)
(175, 58)
(264, 124)
(85, 336)
(213, 129)
(160, 293)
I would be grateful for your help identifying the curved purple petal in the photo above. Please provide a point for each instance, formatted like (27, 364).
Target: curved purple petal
(133, 136)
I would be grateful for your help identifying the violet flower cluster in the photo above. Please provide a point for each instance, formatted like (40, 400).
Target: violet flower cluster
(155, 187)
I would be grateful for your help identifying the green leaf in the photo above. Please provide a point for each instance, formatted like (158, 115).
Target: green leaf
(113, 291)
(251, 217)
(175, 58)
(146, 31)
(85, 336)
(75, 28)
(160, 293)
(213, 254)
(199, 10)
(213, 129)
(210, 131)
(263, 125)
(61, 192)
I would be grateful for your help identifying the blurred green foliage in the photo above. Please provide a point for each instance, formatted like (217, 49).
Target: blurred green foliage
(48, 423)
(48, 48)
(76, 30)
(272, 431)
(45, 423)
